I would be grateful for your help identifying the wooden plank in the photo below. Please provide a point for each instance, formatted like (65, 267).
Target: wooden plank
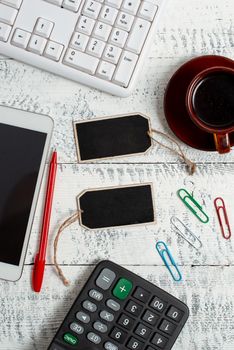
(29, 320)
(80, 246)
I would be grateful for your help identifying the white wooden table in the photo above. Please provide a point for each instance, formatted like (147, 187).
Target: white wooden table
(27, 320)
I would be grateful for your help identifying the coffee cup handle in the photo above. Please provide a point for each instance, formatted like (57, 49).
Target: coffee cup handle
(222, 143)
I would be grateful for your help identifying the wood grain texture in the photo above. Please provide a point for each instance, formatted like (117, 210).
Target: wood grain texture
(28, 321)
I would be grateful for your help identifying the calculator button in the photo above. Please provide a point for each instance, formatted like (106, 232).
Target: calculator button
(159, 340)
(112, 304)
(150, 348)
(105, 279)
(87, 305)
(75, 327)
(141, 294)
(133, 308)
(122, 289)
(175, 314)
(99, 326)
(110, 346)
(81, 316)
(158, 305)
(126, 321)
(150, 317)
(167, 327)
(142, 331)
(119, 335)
(134, 344)
(94, 294)
(70, 339)
(20, 38)
(107, 316)
(94, 338)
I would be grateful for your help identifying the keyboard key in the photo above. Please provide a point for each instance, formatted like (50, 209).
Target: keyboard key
(79, 41)
(134, 308)
(89, 306)
(122, 289)
(141, 294)
(158, 304)
(95, 47)
(112, 54)
(70, 339)
(106, 70)
(118, 37)
(126, 321)
(150, 317)
(135, 344)
(55, 2)
(124, 21)
(85, 25)
(21, 38)
(76, 328)
(43, 27)
(147, 10)
(5, 30)
(13, 3)
(99, 326)
(91, 9)
(118, 335)
(81, 61)
(114, 3)
(94, 294)
(72, 5)
(105, 279)
(83, 317)
(143, 331)
(131, 6)
(102, 31)
(167, 327)
(112, 304)
(110, 346)
(108, 15)
(107, 316)
(7, 14)
(94, 338)
(175, 314)
(125, 68)
(37, 44)
(138, 35)
(160, 341)
(53, 50)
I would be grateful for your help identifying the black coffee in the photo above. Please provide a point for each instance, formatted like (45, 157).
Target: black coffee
(213, 100)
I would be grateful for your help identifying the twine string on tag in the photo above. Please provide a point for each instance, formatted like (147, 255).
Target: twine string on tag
(62, 227)
(191, 165)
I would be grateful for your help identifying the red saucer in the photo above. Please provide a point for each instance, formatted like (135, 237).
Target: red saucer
(174, 102)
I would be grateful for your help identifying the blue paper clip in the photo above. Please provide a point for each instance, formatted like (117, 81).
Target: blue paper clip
(165, 253)
(193, 205)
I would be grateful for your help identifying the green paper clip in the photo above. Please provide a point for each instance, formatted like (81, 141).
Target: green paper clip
(193, 205)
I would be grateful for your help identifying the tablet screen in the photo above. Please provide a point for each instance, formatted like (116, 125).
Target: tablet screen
(21, 152)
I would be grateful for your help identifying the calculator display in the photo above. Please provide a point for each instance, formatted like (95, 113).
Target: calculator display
(21, 153)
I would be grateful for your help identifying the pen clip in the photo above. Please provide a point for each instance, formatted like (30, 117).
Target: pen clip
(193, 205)
(171, 265)
(186, 233)
(224, 224)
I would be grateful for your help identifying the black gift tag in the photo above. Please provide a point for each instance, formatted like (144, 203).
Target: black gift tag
(112, 137)
(114, 206)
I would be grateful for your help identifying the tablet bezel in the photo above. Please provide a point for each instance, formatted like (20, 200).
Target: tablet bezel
(40, 123)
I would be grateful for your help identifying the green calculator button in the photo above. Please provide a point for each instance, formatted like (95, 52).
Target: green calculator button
(122, 289)
(70, 339)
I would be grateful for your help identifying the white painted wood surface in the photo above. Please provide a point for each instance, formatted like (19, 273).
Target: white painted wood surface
(28, 321)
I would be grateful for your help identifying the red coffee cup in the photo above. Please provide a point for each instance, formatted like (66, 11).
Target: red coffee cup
(220, 132)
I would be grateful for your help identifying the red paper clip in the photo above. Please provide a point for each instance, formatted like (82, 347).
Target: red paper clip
(223, 224)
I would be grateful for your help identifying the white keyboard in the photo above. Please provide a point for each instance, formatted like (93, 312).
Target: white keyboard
(100, 43)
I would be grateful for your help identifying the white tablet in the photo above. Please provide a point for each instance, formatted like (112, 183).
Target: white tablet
(24, 143)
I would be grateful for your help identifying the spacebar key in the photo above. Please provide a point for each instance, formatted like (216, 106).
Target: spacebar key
(81, 61)
(125, 69)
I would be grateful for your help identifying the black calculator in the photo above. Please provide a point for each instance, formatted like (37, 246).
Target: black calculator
(118, 310)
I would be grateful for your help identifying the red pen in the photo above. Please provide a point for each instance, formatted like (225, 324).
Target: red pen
(39, 264)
